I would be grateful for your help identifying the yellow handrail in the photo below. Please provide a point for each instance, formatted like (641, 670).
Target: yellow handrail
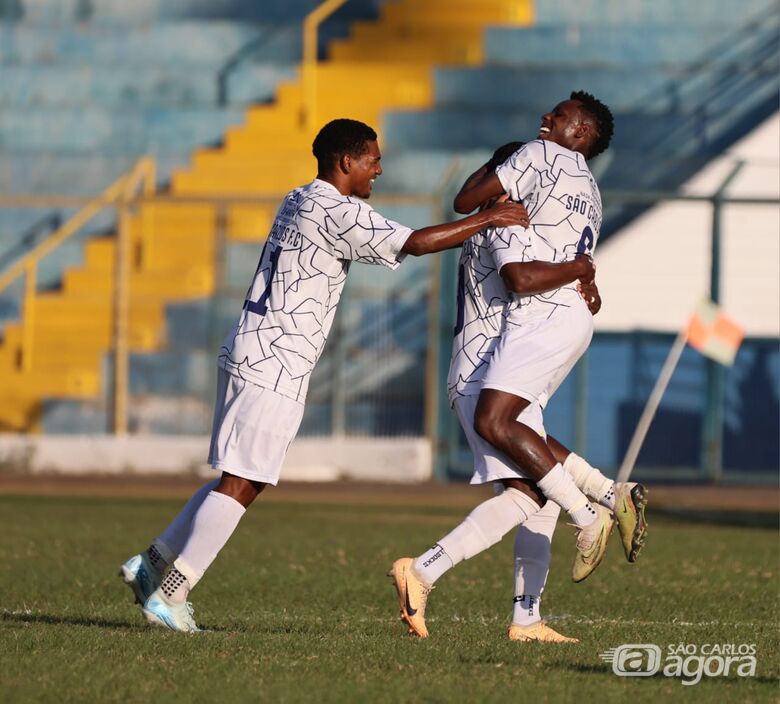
(121, 192)
(143, 169)
(311, 23)
(144, 175)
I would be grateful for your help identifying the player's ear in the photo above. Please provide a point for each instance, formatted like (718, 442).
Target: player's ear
(345, 163)
(584, 130)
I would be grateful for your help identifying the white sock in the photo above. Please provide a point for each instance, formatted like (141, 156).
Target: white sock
(483, 527)
(591, 481)
(608, 499)
(532, 563)
(432, 564)
(558, 485)
(175, 586)
(212, 526)
(172, 539)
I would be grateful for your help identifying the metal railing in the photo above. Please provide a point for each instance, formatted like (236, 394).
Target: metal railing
(349, 373)
(118, 194)
(309, 67)
(45, 225)
(135, 190)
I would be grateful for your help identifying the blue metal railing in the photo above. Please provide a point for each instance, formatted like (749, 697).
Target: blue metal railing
(727, 92)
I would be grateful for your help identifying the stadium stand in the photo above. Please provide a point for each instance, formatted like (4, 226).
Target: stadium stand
(214, 90)
(265, 156)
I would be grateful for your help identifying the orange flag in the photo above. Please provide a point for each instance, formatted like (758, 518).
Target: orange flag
(714, 334)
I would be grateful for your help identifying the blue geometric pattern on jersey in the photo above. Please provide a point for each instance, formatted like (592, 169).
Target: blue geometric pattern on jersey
(291, 303)
(482, 298)
(564, 204)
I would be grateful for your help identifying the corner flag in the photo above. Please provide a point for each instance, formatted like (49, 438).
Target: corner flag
(710, 332)
(714, 334)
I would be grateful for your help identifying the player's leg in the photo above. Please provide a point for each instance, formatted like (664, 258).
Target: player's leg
(484, 526)
(627, 500)
(143, 573)
(252, 431)
(532, 563)
(497, 422)
(212, 525)
(529, 363)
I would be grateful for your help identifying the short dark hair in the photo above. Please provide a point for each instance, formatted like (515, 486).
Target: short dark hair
(339, 137)
(601, 115)
(502, 154)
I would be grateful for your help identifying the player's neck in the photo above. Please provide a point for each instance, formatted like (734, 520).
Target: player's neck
(338, 183)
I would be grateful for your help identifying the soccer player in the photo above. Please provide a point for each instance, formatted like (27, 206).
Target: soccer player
(267, 358)
(482, 299)
(548, 324)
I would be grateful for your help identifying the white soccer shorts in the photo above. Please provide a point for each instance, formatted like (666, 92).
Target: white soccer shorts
(490, 464)
(532, 360)
(253, 428)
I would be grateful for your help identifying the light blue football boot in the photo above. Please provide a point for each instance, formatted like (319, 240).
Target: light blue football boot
(140, 575)
(176, 617)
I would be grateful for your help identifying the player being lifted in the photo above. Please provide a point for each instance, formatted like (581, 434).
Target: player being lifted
(266, 360)
(548, 326)
(482, 300)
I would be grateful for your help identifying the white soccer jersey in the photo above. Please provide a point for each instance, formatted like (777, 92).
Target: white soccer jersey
(564, 205)
(291, 303)
(482, 298)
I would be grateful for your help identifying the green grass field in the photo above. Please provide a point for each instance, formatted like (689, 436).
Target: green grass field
(301, 611)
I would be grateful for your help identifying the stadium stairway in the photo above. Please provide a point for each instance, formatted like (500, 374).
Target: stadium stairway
(174, 243)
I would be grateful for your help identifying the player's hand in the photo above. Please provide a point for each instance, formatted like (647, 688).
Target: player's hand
(590, 293)
(587, 268)
(508, 214)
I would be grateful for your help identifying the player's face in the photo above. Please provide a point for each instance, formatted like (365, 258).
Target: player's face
(563, 124)
(364, 169)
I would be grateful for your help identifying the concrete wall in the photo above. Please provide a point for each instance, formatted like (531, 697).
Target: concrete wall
(309, 459)
(652, 273)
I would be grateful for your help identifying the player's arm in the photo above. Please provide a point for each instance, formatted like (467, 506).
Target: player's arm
(481, 190)
(437, 238)
(529, 278)
(467, 198)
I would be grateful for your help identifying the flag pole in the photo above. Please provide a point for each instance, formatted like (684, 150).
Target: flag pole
(652, 406)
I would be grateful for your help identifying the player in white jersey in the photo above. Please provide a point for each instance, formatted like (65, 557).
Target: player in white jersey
(482, 299)
(267, 358)
(548, 324)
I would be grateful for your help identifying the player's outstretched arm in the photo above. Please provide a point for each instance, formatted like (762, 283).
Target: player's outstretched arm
(529, 278)
(437, 238)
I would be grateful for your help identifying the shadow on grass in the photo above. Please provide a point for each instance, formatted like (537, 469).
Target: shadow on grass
(52, 620)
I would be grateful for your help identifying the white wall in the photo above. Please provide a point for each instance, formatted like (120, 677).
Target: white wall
(653, 272)
(309, 459)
